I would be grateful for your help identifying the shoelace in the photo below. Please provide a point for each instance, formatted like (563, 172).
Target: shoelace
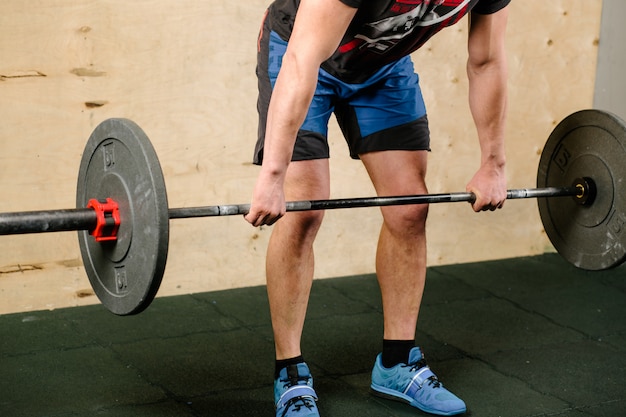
(298, 402)
(432, 381)
(291, 381)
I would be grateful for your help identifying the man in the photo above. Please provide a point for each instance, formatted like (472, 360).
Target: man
(350, 57)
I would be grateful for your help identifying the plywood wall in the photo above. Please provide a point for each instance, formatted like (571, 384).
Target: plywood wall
(184, 71)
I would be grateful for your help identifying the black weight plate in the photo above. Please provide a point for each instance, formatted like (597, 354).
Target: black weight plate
(589, 143)
(119, 162)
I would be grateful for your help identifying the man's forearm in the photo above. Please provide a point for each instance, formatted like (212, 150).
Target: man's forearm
(488, 104)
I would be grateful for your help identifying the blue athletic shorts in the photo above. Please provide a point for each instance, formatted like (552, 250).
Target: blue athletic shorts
(386, 112)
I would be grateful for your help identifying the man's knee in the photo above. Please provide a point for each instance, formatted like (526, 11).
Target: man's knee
(407, 220)
(302, 226)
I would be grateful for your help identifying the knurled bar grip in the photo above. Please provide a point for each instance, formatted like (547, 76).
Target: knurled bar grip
(85, 219)
(234, 209)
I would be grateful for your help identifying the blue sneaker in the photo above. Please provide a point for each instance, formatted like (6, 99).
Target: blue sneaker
(415, 384)
(294, 395)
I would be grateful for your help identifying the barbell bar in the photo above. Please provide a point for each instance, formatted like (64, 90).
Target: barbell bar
(122, 216)
(579, 190)
(64, 220)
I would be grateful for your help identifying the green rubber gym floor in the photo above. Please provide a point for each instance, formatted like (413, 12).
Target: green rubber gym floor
(518, 337)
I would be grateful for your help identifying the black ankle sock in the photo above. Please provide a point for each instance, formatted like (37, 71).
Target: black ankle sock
(282, 363)
(396, 351)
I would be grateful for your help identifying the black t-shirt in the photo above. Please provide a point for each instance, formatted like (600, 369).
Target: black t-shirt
(383, 31)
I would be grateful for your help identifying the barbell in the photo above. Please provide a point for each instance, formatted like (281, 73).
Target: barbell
(123, 217)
